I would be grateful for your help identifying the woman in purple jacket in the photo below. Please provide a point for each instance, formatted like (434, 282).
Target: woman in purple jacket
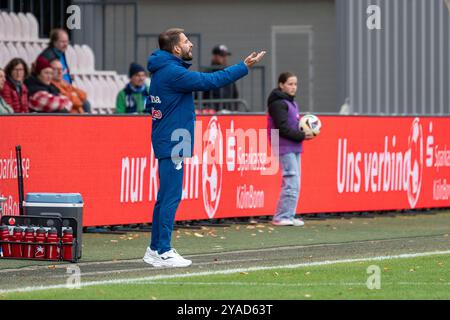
(283, 115)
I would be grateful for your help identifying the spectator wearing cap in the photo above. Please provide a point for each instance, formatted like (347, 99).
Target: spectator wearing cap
(59, 42)
(76, 95)
(15, 92)
(133, 97)
(219, 61)
(43, 96)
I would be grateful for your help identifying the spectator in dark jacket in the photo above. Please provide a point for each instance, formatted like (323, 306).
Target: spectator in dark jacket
(4, 107)
(44, 97)
(59, 42)
(15, 92)
(219, 61)
(284, 116)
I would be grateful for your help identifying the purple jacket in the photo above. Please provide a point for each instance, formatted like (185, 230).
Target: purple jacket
(283, 115)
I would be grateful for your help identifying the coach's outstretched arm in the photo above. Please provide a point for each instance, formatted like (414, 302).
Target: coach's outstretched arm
(188, 81)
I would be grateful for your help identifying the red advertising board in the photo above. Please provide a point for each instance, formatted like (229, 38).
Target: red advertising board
(355, 164)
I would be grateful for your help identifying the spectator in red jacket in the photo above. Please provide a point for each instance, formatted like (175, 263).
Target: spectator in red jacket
(44, 97)
(15, 92)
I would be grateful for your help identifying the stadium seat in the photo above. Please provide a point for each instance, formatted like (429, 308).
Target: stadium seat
(12, 50)
(71, 59)
(78, 66)
(32, 52)
(7, 26)
(2, 28)
(37, 50)
(90, 58)
(22, 53)
(4, 57)
(25, 26)
(16, 27)
(34, 26)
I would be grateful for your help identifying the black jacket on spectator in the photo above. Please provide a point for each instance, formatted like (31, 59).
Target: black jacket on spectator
(278, 110)
(34, 85)
(227, 92)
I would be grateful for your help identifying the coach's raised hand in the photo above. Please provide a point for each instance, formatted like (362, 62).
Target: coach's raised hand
(254, 58)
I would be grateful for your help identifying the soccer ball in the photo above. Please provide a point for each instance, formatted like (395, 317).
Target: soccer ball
(310, 123)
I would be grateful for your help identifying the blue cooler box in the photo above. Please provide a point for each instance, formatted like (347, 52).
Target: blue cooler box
(64, 205)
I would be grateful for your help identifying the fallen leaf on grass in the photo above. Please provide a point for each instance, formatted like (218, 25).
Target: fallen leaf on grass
(307, 296)
(222, 238)
(260, 226)
(260, 231)
(114, 241)
(412, 270)
(244, 273)
(52, 267)
(307, 273)
(276, 273)
(253, 234)
(250, 227)
(198, 235)
(187, 233)
(271, 229)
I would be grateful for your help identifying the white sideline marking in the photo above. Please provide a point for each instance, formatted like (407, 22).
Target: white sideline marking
(219, 253)
(229, 271)
(94, 273)
(278, 284)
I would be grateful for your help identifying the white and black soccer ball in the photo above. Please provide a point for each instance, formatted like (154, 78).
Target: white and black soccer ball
(310, 123)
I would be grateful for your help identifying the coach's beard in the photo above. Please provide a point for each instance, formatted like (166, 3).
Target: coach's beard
(187, 56)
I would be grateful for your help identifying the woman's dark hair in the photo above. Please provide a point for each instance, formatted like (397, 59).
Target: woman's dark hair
(14, 63)
(284, 77)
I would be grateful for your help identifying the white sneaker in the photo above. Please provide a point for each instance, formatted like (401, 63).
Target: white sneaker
(170, 259)
(298, 223)
(283, 222)
(150, 256)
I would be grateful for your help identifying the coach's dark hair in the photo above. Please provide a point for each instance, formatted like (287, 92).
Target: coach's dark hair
(12, 64)
(169, 39)
(284, 77)
(54, 36)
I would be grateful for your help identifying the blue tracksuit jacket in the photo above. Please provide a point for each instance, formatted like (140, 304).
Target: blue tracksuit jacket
(171, 101)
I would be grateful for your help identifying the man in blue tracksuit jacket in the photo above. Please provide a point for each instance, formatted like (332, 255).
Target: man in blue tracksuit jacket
(171, 104)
